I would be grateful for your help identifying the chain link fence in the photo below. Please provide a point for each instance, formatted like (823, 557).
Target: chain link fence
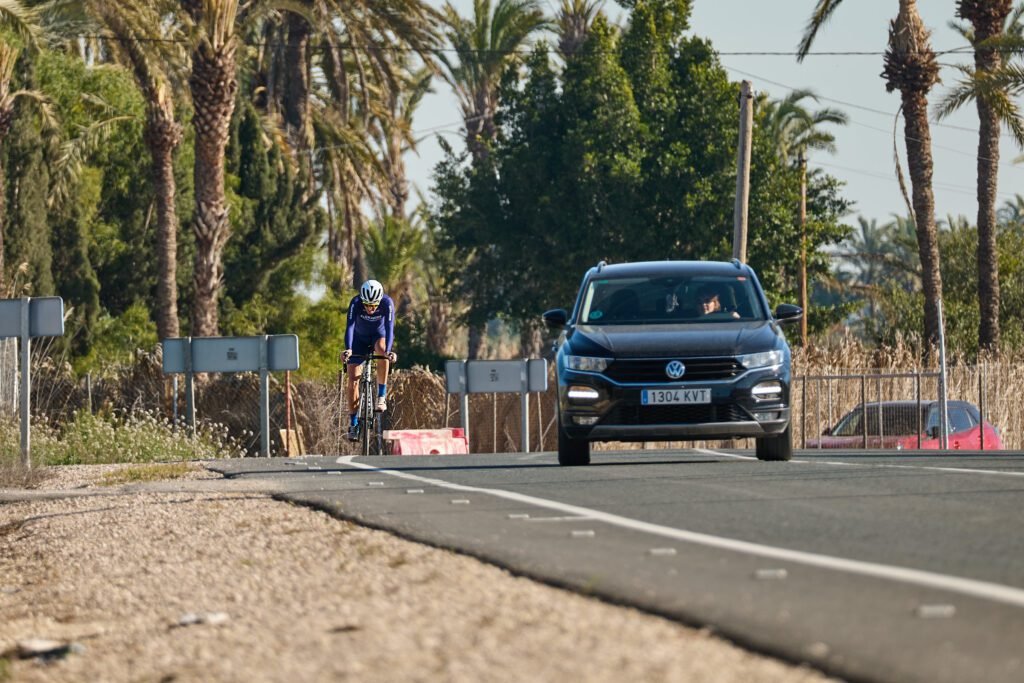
(417, 399)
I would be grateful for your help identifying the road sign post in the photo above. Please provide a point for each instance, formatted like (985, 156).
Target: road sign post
(263, 354)
(496, 377)
(26, 318)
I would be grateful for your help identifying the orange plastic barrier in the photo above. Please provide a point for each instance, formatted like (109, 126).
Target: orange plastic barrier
(451, 441)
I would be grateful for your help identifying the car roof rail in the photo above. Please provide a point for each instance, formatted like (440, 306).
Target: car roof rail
(736, 262)
(600, 265)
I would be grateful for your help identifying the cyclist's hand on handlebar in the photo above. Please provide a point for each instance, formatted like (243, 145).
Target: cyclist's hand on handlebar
(392, 357)
(346, 354)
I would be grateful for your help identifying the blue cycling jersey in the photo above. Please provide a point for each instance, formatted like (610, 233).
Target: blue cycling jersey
(367, 328)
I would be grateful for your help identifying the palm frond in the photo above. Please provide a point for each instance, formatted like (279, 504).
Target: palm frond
(822, 13)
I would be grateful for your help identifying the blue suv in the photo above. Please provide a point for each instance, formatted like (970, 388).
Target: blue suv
(672, 350)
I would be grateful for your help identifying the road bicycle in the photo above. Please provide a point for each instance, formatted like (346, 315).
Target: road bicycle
(371, 423)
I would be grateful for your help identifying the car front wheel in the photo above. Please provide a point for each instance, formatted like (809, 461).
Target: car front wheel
(776, 447)
(572, 452)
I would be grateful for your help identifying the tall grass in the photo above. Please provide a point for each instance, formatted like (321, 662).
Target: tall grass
(139, 437)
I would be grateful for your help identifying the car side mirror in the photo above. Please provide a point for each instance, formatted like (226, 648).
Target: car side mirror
(556, 317)
(933, 432)
(827, 431)
(788, 313)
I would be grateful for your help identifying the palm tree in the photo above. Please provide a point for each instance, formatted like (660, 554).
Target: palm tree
(795, 129)
(486, 44)
(989, 23)
(574, 20)
(213, 85)
(154, 66)
(911, 68)
(20, 26)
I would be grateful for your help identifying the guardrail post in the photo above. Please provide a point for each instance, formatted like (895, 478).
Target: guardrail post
(524, 400)
(26, 384)
(190, 389)
(264, 400)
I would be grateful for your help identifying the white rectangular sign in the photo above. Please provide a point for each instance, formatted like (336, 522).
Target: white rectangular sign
(45, 317)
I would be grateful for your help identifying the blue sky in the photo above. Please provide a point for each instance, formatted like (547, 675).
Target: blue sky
(851, 83)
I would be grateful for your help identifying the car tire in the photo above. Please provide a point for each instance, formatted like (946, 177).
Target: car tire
(776, 447)
(572, 452)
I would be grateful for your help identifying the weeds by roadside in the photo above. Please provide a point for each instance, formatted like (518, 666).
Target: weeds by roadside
(98, 439)
(136, 474)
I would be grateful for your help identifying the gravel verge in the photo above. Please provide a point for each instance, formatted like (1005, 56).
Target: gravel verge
(196, 580)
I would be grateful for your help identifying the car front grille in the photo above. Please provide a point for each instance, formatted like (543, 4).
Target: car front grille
(652, 371)
(674, 414)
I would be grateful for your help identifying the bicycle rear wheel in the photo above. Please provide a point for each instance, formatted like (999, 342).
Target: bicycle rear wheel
(366, 407)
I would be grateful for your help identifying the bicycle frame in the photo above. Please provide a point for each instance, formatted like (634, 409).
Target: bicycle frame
(371, 424)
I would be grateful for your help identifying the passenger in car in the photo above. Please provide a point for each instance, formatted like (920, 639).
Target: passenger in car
(710, 297)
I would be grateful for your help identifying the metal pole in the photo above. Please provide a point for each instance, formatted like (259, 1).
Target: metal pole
(26, 384)
(190, 389)
(174, 402)
(803, 413)
(881, 430)
(464, 409)
(981, 401)
(864, 409)
(917, 391)
(803, 248)
(288, 412)
(494, 423)
(88, 391)
(944, 415)
(525, 411)
(739, 236)
(264, 400)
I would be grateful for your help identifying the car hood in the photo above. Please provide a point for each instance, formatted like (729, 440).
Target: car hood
(654, 341)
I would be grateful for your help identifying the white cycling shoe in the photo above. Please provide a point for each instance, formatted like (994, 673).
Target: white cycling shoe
(382, 405)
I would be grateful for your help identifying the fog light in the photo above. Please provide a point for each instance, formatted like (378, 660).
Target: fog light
(585, 420)
(583, 394)
(766, 391)
(766, 417)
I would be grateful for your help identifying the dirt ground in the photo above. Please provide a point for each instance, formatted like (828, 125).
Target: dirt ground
(205, 579)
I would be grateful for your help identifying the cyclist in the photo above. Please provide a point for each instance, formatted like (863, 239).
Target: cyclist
(370, 330)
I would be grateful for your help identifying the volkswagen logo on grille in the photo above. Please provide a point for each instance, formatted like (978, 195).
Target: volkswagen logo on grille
(675, 369)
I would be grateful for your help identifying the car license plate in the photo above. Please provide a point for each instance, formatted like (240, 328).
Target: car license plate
(656, 397)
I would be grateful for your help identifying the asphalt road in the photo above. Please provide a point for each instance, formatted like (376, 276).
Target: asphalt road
(877, 567)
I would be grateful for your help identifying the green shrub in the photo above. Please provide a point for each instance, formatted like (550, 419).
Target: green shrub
(93, 439)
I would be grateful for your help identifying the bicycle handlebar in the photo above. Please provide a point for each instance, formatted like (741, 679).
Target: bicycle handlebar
(370, 356)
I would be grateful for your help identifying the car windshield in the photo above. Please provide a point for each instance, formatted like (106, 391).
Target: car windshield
(898, 419)
(670, 300)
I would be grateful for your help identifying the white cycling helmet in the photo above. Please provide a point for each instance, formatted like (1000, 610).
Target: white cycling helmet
(371, 292)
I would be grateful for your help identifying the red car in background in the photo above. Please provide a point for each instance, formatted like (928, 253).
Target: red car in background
(899, 425)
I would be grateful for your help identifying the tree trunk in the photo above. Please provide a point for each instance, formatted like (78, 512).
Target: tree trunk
(477, 337)
(911, 68)
(296, 95)
(919, 162)
(531, 341)
(3, 229)
(6, 118)
(987, 17)
(162, 136)
(213, 84)
(437, 325)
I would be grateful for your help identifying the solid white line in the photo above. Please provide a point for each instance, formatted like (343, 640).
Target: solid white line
(979, 589)
(931, 468)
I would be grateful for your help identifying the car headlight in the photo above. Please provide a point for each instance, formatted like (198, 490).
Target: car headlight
(765, 359)
(586, 363)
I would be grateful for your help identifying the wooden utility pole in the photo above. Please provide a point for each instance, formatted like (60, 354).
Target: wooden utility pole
(739, 235)
(803, 247)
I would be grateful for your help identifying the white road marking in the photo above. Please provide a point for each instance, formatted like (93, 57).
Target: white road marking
(836, 463)
(570, 518)
(980, 589)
